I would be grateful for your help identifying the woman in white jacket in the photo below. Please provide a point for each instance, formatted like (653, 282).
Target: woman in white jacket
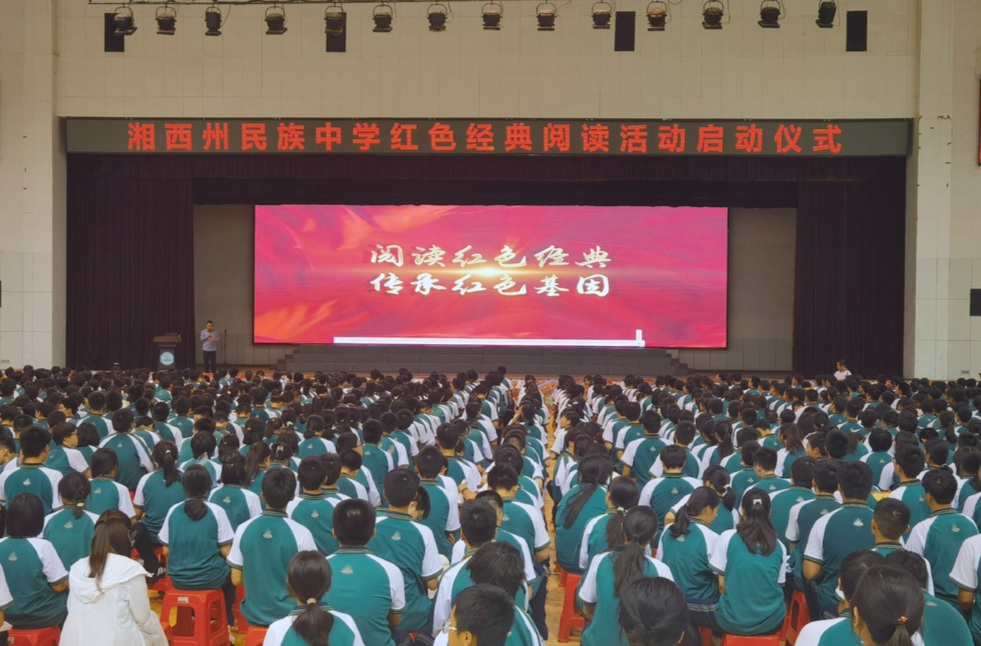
(107, 601)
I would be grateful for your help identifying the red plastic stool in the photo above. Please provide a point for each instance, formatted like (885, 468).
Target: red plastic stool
(241, 623)
(163, 585)
(797, 617)
(758, 640)
(570, 618)
(200, 617)
(707, 636)
(168, 633)
(39, 637)
(255, 636)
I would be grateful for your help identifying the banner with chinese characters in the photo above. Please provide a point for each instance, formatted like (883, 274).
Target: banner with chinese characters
(621, 276)
(787, 137)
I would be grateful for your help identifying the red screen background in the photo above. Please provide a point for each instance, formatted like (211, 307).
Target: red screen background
(665, 268)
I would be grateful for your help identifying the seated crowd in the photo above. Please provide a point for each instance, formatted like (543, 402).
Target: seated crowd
(392, 510)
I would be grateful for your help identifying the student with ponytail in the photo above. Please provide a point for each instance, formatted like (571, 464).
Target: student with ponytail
(612, 572)
(717, 479)
(751, 564)
(584, 502)
(312, 622)
(240, 504)
(315, 442)
(197, 538)
(156, 493)
(70, 530)
(256, 465)
(605, 533)
(687, 548)
(107, 494)
(793, 448)
(887, 608)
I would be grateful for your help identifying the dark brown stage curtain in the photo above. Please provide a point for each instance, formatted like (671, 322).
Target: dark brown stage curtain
(849, 278)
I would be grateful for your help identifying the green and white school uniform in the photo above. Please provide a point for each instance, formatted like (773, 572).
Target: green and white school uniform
(351, 488)
(972, 508)
(527, 523)
(834, 537)
(597, 588)
(133, 456)
(743, 480)
(781, 503)
(262, 550)
(455, 580)
(70, 536)
(195, 561)
(316, 446)
(169, 432)
(938, 539)
(965, 491)
(34, 566)
(753, 602)
(771, 484)
(378, 462)
(725, 520)
(594, 539)
(785, 461)
(829, 632)
(344, 632)
(214, 468)
(640, 455)
(156, 498)
(911, 493)
(32, 478)
(108, 494)
(412, 548)
(444, 514)
(150, 439)
(239, 503)
(503, 535)
(569, 540)
(878, 460)
(799, 525)
(367, 588)
(102, 424)
(65, 460)
(942, 624)
(661, 494)
(626, 435)
(523, 631)
(692, 468)
(965, 575)
(689, 557)
(316, 513)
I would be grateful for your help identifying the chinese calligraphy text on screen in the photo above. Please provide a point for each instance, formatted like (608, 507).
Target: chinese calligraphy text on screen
(591, 276)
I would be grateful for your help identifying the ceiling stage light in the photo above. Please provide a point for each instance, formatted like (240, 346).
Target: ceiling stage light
(712, 13)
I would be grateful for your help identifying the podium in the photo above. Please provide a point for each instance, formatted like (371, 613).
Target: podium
(165, 350)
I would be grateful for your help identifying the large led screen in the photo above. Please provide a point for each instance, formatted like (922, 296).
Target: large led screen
(593, 276)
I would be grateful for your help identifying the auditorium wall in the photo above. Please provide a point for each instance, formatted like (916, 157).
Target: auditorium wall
(760, 317)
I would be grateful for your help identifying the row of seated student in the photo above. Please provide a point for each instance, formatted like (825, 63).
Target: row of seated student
(591, 460)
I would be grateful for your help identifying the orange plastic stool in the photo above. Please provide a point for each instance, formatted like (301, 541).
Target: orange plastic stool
(570, 618)
(168, 633)
(38, 637)
(200, 617)
(241, 623)
(758, 640)
(255, 636)
(797, 617)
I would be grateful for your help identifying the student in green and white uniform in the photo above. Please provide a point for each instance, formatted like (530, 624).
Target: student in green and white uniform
(641, 453)
(31, 476)
(804, 515)
(132, 454)
(262, 549)
(106, 493)
(96, 405)
(841, 532)
(314, 442)
(202, 426)
(880, 443)
(521, 519)
(409, 545)
(165, 431)
(583, 502)
(180, 409)
(599, 588)
(752, 565)
(765, 464)
(717, 478)
(377, 460)
(661, 494)
(746, 478)
(683, 435)
(197, 537)
(64, 458)
(888, 607)
(835, 632)
(499, 564)
(965, 575)
(443, 519)
(687, 547)
(310, 577)
(34, 564)
(781, 502)
(909, 463)
(654, 611)
(314, 508)
(155, 495)
(793, 449)
(70, 530)
(368, 588)
(240, 504)
(938, 539)
(203, 447)
(621, 496)
(942, 624)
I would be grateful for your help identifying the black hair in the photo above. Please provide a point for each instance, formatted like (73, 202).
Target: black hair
(258, 453)
(502, 477)
(718, 478)
(653, 612)
(855, 480)
(354, 521)
(278, 488)
(429, 462)
(747, 454)
(478, 522)
(766, 459)
(332, 468)
(197, 483)
(75, 488)
(625, 494)
(880, 440)
(486, 612)
(912, 563)
(825, 475)
(401, 486)
(673, 457)
(699, 499)
(233, 469)
(910, 460)
(311, 473)
(639, 529)
(802, 472)
(25, 516)
(498, 563)
(890, 603)
(940, 484)
(33, 441)
(853, 568)
(308, 578)
(122, 420)
(755, 528)
(165, 457)
(104, 461)
(594, 472)
(372, 431)
(203, 444)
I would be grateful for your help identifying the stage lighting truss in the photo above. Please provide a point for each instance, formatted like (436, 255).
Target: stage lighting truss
(334, 20)
(213, 21)
(166, 18)
(657, 15)
(491, 15)
(712, 13)
(827, 10)
(545, 14)
(436, 14)
(275, 20)
(602, 14)
(123, 21)
(770, 13)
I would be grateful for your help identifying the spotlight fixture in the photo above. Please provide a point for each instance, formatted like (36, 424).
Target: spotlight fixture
(123, 21)
(275, 20)
(602, 12)
(166, 18)
(213, 21)
(333, 20)
(383, 16)
(545, 12)
(827, 11)
(491, 14)
(437, 17)
(712, 12)
(770, 11)
(657, 15)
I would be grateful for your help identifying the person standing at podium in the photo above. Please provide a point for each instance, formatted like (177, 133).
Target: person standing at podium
(209, 345)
